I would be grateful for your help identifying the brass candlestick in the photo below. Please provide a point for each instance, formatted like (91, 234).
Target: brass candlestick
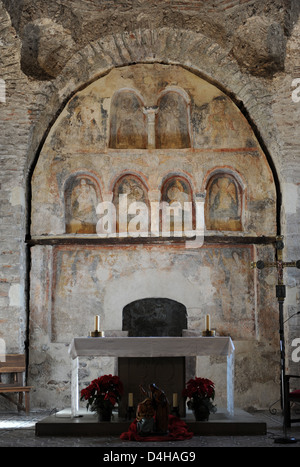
(208, 332)
(97, 332)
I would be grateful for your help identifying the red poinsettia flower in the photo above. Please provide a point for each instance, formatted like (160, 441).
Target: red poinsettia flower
(103, 390)
(199, 387)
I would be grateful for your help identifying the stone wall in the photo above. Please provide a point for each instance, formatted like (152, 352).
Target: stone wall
(49, 51)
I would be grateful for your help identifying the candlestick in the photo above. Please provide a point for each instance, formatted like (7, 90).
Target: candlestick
(207, 323)
(130, 399)
(97, 332)
(175, 399)
(97, 323)
(208, 332)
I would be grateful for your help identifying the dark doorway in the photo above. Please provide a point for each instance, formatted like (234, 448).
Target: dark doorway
(153, 317)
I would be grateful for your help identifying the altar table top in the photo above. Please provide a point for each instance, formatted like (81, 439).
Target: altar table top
(150, 346)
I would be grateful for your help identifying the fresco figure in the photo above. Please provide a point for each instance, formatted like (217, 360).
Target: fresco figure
(223, 204)
(172, 130)
(128, 122)
(81, 207)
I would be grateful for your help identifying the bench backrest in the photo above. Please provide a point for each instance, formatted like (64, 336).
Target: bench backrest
(14, 364)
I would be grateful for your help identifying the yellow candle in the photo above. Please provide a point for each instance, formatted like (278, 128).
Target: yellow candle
(207, 322)
(97, 323)
(130, 399)
(175, 399)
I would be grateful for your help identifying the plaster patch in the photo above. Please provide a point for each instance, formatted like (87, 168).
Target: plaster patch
(15, 295)
(290, 198)
(17, 197)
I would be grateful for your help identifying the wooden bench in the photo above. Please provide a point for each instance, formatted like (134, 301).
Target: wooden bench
(14, 366)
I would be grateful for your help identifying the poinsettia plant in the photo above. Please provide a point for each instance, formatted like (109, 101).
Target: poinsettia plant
(103, 391)
(200, 390)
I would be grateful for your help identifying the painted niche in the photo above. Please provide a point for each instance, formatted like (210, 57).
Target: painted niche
(128, 122)
(172, 123)
(81, 198)
(130, 198)
(223, 207)
(136, 126)
(177, 194)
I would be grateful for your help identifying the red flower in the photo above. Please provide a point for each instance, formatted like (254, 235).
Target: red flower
(199, 387)
(106, 389)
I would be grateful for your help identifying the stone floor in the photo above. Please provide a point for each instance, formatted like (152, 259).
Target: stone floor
(18, 430)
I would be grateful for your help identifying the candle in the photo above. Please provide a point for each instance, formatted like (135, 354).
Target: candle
(207, 322)
(175, 399)
(130, 399)
(97, 323)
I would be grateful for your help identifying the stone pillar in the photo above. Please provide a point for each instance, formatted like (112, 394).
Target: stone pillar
(150, 112)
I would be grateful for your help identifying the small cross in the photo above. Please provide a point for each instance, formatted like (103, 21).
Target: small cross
(280, 265)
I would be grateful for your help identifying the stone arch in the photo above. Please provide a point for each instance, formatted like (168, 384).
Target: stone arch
(151, 46)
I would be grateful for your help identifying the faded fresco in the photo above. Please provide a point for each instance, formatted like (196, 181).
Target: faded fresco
(223, 204)
(127, 191)
(154, 122)
(176, 192)
(155, 133)
(80, 205)
(80, 125)
(172, 122)
(82, 278)
(127, 122)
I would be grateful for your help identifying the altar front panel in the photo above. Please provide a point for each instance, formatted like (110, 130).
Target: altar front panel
(151, 347)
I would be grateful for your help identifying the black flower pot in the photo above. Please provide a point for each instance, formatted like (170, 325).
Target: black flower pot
(201, 412)
(105, 414)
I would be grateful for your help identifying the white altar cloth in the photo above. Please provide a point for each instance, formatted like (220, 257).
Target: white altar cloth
(151, 347)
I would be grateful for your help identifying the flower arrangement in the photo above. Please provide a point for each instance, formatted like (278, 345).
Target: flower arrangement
(103, 393)
(200, 391)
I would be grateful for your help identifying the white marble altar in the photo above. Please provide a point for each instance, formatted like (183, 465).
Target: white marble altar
(151, 347)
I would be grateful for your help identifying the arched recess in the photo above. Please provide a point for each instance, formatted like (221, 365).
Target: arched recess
(130, 195)
(105, 57)
(81, 196)
(148, 46)
(224, 202)
(176, 191)
(127, 121)
(173, 119)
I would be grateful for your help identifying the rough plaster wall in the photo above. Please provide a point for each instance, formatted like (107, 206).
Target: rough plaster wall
(76, 282)
(30, 106)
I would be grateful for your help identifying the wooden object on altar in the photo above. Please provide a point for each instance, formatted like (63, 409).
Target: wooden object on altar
(14, 366)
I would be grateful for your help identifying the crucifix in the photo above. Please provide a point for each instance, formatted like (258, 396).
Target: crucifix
(279, 264)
